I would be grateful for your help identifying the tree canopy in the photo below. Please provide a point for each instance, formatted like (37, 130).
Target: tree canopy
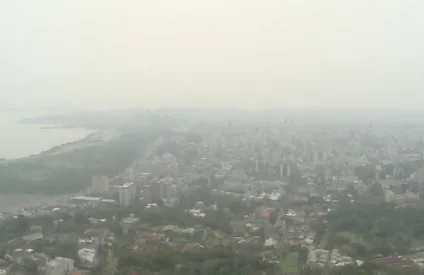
(376, 228)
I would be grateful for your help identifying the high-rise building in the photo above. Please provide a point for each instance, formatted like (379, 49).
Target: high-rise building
(100, 184)
(305, 148)
(391, 148)
(293, 139)
(170, 191)
(285, 170)
(289, 170)
(145, 193)
(157, 191)
(145, 179)
(129, 174)
(127, 193)
(316, 157)
(419, 177)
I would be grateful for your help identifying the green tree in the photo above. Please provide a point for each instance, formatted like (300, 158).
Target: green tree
(377, 190)
(273, 217)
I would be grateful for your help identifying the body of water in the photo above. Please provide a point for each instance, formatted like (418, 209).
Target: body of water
(21, 140)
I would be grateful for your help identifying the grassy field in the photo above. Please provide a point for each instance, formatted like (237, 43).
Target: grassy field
(353, 238)
(290, 265)
(417, 243)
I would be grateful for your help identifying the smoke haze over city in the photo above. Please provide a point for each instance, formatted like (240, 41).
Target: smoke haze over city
(207, 53)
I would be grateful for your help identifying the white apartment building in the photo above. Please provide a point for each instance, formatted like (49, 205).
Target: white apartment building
(127, 193)
(67, 264)
(100, 184)
(318, 257)
(53, 267)
(170, 191)
(59, 266)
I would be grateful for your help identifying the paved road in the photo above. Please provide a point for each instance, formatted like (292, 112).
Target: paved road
(153, 147)
(112, 263)
(324, 240)
(151, 150)
(281, 214)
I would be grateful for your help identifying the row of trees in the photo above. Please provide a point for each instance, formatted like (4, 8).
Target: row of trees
(219, 260)
(366, 269)
(71, 171)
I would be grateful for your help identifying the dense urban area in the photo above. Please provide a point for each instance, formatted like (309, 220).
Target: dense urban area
(173, 192)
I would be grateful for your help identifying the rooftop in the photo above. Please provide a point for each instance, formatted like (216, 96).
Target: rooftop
(108, 201)
(32, 237)
(129, 220)
(87, 254)
(126, 185)
(85, 198)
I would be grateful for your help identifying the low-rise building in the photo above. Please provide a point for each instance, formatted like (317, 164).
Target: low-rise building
(87, 257)
(66, 263)
(53, 267)
(318, 257)
(129, 223)
(59, 266)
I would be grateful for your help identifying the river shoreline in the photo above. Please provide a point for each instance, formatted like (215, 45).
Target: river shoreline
(13, 203)
(19, 140)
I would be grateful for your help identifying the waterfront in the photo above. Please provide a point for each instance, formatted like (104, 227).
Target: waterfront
(15, 202)
(21, 140)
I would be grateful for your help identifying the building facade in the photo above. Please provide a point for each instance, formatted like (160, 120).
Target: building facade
(100, 184)
(127, 193)
(157, 191)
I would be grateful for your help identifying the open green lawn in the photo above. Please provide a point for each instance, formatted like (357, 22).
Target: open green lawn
(353, 238)
(290, 265)
(416, 243)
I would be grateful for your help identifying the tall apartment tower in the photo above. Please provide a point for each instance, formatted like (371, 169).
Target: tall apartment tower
(127, 193)
(289, 170)
(100, 184)
(170, 191)
(157, 191)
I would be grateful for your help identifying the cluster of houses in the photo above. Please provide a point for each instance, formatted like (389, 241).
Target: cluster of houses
(31, 250)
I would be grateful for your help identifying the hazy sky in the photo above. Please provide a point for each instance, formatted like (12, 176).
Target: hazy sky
(256, 53)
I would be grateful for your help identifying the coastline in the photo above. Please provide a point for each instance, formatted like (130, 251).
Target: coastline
(25, 140)
(38, 142)
(60, 147)
(60, 127)
(12, 203)
(84, 137)
(94, 138)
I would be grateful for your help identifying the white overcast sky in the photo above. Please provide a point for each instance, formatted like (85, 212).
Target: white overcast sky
(255, 53)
